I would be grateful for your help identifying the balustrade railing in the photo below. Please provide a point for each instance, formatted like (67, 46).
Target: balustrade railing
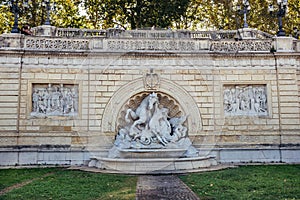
(72, 39)
(74, 32)
(214, 35)
(150, 34)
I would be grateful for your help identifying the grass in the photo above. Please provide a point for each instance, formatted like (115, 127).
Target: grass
(67, 184)
(247, 182)
(9, 177)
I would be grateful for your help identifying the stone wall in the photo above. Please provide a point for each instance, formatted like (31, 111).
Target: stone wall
(261, 124)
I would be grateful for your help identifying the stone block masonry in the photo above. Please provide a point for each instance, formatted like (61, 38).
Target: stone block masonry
(64, 107)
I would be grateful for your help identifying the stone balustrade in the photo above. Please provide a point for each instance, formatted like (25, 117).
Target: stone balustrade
(70, 39)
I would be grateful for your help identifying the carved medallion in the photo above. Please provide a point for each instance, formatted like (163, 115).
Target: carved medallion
(151, 81)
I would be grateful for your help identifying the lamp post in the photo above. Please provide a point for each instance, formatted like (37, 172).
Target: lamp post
(48, 7)
(282, 6)
(246, 9)
(296, 32)
(15, 9)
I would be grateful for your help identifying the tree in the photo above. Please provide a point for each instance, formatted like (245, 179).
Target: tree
(100, 13)
(292, 19)
(63, 13)
(143, 13)
(66, 14)
(5, 19)
(133, 14)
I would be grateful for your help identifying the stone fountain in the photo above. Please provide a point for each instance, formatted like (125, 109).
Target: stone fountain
(150, 140)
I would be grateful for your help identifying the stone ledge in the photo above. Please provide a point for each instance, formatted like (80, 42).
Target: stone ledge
(152, 165)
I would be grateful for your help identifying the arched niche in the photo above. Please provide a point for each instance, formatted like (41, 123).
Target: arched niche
(121, 98)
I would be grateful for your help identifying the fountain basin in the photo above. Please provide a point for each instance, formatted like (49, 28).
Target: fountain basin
(152, 165)
(151, 153)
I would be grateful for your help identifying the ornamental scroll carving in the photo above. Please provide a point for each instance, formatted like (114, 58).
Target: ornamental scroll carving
(56, 44)
(245, 45)
(249, 100)
(151, 45)
(54, 100)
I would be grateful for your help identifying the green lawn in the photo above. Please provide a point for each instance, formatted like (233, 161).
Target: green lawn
(9, 177)
(248, 182)
(67, 184)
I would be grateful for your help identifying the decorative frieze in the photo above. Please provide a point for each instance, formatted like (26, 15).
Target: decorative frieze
(56, 44)
(54, 100)
(245, 45)
(248, 100)
(160, 45)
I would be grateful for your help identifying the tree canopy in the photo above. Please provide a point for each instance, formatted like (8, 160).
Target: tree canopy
(139, 14)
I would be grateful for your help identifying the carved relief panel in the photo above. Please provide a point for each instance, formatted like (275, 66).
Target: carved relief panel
(54, 100)
(248, 100)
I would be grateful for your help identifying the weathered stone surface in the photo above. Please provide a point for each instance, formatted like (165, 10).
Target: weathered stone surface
(193, 68)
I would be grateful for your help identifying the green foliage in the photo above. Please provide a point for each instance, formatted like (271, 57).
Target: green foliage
(66, 14)
(135, 13)
(250, 182)
(6, 19)
(63, 13)
(132, 14)
(100, 14)
(68, 184)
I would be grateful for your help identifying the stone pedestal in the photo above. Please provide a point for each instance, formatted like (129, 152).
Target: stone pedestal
(45, 30)
(247, 33)
(12, 40)
(284, 44)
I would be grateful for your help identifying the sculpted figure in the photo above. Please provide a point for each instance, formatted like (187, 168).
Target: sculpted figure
(245, 100)
(41, 107)
(179, 131)
(159, 125)
(74, 96)
(35, 100)
(142, 114)
(150, 125)
(55, 99)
